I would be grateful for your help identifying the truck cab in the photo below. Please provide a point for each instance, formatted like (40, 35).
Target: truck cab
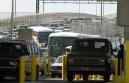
(90, 56)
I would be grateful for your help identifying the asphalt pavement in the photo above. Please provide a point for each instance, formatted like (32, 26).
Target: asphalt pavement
(51, 80)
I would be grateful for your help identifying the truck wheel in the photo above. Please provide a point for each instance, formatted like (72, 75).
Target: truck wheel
(107, 77)
(69, 76)
(17, 75)
(85, 77)
(60, 76)
(53, 75)
(1, 78)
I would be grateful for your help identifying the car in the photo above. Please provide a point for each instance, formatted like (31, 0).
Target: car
(56, 68)
(90, 56)
(10, 53)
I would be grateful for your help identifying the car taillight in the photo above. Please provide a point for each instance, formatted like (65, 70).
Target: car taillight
(17, 62)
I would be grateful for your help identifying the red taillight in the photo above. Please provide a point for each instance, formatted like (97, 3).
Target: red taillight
(17, 62)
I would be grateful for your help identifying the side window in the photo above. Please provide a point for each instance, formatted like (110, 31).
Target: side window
(99, 45)
(113, 45)
(118, 44)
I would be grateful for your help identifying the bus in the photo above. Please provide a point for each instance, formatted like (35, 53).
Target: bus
(42, 34)
(57, 42)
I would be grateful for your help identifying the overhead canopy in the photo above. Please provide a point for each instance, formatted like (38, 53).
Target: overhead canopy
(79, 0)
(75, 1)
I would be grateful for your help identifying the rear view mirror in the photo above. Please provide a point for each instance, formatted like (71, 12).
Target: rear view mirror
(115, 53)
(68, 48)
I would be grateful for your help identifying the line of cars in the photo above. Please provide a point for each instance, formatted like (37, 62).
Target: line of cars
(11, 50)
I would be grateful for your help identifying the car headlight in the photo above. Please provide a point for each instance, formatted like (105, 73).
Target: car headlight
(102, 60)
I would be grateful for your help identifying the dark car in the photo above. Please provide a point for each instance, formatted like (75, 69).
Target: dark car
(10, 53)
(91, 56)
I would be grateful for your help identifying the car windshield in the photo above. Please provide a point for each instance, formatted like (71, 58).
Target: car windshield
(11, 49)
(53, 25)
(58, 44)
(43, 36)
(91, 45)
(59, 60)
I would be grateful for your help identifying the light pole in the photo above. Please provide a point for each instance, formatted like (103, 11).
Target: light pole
(15, 7)
(12, 19)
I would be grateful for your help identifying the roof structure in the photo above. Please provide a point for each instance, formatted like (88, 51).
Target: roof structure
(80, 1)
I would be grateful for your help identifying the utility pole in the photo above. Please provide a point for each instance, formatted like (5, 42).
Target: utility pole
(123, 20)
(12, 19)
(15, 7)
(101, 17)
(37, 6)
(43, 6)
(37, 11)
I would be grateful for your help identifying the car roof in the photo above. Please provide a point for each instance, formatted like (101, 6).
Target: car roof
(16, 41)
(83, 39)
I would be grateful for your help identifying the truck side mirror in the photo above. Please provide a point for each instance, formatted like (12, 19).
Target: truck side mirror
(115, 52)
(68, 48)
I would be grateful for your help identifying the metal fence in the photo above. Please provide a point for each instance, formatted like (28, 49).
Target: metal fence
(78, 22)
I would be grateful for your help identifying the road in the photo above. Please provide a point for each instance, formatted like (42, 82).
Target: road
(53, 81)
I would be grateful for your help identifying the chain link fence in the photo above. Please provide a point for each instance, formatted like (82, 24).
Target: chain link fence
(77, 22)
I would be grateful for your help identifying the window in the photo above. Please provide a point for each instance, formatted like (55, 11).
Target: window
(113, 45)
(90, 45)
(59, 60)
(99, 45)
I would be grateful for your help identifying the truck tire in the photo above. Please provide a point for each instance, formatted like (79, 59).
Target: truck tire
(1, 78)
(60, 76)
(17, 74)
(106, 76)
(53, 75)
(69, 76)
(85, 76)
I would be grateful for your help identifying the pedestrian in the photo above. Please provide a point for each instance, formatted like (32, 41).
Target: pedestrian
(120, 58)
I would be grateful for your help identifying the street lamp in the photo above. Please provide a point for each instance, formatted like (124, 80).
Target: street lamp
(12, 19)
(15, 7)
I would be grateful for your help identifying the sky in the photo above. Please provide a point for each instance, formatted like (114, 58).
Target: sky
(29, 6)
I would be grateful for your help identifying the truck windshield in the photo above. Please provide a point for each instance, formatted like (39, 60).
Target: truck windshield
(91, 45)
(43, 36)
(59, 60)
(11, 49)
(57, 45)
